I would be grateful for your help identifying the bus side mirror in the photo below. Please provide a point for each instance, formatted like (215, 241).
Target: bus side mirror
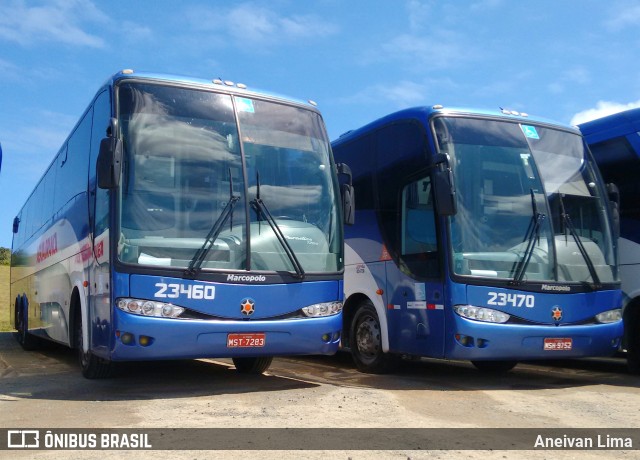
(108, 166)
(16, 224)
(348, 204)
(347, 194)
(445, 192)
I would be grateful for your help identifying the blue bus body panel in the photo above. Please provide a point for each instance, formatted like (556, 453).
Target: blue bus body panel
(538, 307)
(270, 300)
(612, 126)
(207, 338)
(421, 323)
(526, 341)
(186, 339)
(416, 314)
(523, 342)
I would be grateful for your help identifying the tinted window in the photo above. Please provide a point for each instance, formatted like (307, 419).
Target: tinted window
(400, 154)
(72, 173)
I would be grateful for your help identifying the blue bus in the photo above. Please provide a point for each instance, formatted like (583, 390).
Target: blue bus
(615, 144)
(480, 235)
(183, 218)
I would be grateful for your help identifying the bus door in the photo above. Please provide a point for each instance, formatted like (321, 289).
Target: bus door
(415, 306)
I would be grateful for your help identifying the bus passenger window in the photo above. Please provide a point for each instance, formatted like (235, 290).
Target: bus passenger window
(418, 224)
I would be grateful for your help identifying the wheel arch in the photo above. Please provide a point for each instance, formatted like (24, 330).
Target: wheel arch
(17, 306)
(631, 319)
(349, 310)
(78, 311)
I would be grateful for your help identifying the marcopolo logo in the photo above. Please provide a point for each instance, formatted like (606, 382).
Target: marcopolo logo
(551, 287)
(246, 278)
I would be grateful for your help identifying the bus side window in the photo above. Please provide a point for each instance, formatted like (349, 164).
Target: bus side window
(418, 219)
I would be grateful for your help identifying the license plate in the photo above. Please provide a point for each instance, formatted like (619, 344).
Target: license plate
(255, 340)
(558, 344)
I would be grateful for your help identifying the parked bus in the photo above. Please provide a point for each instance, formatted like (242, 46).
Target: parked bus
(183, 218)
(479, 235)
(615, 143)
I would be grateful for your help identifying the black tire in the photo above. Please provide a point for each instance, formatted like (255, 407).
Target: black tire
(494, 367)
(27, 341)
(365, 341)
(252, 365)
(633, 343)
(91, 366)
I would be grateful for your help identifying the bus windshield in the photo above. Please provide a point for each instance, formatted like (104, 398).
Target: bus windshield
(197, 162)
(530, 207)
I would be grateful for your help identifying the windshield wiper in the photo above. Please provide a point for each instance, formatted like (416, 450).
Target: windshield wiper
(585, 255)
(261, 209)
(532, 235)
(201, 254)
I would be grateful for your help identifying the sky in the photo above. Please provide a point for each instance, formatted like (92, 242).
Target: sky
(569, 60)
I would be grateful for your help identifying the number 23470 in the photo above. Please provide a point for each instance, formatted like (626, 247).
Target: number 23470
(503, 299)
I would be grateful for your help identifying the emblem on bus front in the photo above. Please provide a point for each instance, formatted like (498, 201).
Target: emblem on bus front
(247, 306)
(556, 313)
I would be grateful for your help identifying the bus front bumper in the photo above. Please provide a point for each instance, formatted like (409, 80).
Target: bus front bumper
(474, 340)
(147, 338)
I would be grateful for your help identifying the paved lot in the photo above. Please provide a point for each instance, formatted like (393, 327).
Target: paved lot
(44, 389)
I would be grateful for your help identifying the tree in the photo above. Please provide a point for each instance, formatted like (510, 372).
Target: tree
(5, 256)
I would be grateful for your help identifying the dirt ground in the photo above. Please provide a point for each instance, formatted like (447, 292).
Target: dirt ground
(44, 389)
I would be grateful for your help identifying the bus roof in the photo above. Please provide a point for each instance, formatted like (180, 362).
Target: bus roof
(616, 125)
(217, 83)
(425, 112)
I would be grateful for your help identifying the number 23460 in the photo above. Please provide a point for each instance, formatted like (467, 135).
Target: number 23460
(191, 291)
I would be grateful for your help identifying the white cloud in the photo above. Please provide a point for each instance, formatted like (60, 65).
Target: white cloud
(569, 77)
(418, 13)
(399, 95)
(61, 21)
(625, 16)
(438, 49)
(7, 67)
(257, 25)
(602, 109)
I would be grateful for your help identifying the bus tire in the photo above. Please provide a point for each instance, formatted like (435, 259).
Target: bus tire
(494, 367)
(26, 340)
(632, 324)
(365, 340)
(91, 366)
(252, 365)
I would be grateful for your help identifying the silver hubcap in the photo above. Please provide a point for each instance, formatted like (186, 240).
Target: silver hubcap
(368, 337)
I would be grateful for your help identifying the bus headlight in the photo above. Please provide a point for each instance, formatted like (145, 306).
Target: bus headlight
(322, 309)
(487, 315)
(611, 316)
(149, 308)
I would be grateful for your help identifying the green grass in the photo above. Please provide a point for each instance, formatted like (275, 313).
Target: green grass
(4, 299)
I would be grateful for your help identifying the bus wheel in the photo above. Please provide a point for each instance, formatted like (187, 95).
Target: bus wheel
(26, 340)
(366, 342)
(495, 367)
(252, 365)
(92, 367)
